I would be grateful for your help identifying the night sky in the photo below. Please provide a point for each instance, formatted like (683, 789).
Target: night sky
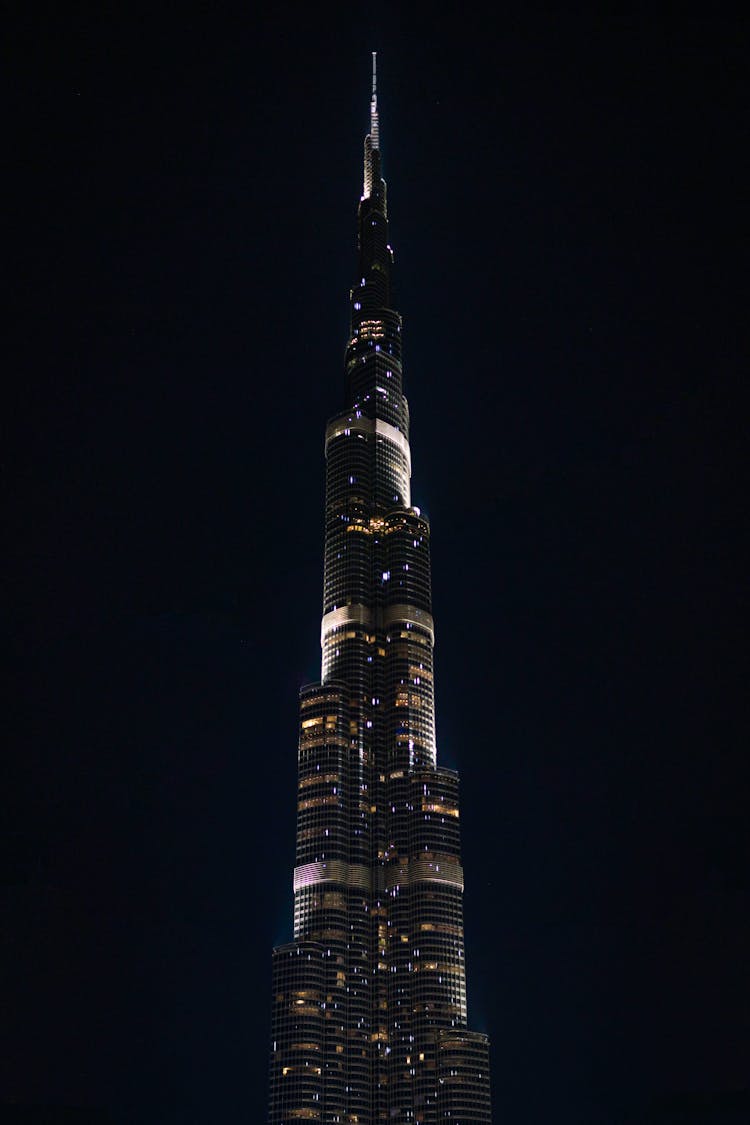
(565, 204)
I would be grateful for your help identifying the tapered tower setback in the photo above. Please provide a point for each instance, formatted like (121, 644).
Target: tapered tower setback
(369, 1016)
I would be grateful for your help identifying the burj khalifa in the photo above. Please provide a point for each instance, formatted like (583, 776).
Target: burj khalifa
(369, 1007)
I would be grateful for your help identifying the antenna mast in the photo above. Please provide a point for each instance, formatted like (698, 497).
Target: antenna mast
(374, 124)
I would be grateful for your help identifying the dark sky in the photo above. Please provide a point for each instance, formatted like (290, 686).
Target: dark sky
(565, 210)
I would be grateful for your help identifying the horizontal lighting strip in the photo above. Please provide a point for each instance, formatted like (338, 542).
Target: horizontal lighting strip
(358, 614)
(333, 871)
(405, 873)
(369, 426)
(409, 615)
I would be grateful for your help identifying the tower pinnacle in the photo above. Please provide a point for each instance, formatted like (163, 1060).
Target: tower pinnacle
(374, 123)
(372, 140)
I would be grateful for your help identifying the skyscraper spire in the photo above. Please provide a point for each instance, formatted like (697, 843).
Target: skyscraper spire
(374, 124)
(370, 1018)
(372, 140)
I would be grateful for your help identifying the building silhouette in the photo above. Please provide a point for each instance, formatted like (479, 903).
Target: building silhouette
(369, 1013)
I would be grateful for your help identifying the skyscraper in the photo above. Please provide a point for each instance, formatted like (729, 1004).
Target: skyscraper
(369, 1015)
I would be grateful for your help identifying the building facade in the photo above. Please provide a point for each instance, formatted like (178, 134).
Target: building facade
(369, 1014)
